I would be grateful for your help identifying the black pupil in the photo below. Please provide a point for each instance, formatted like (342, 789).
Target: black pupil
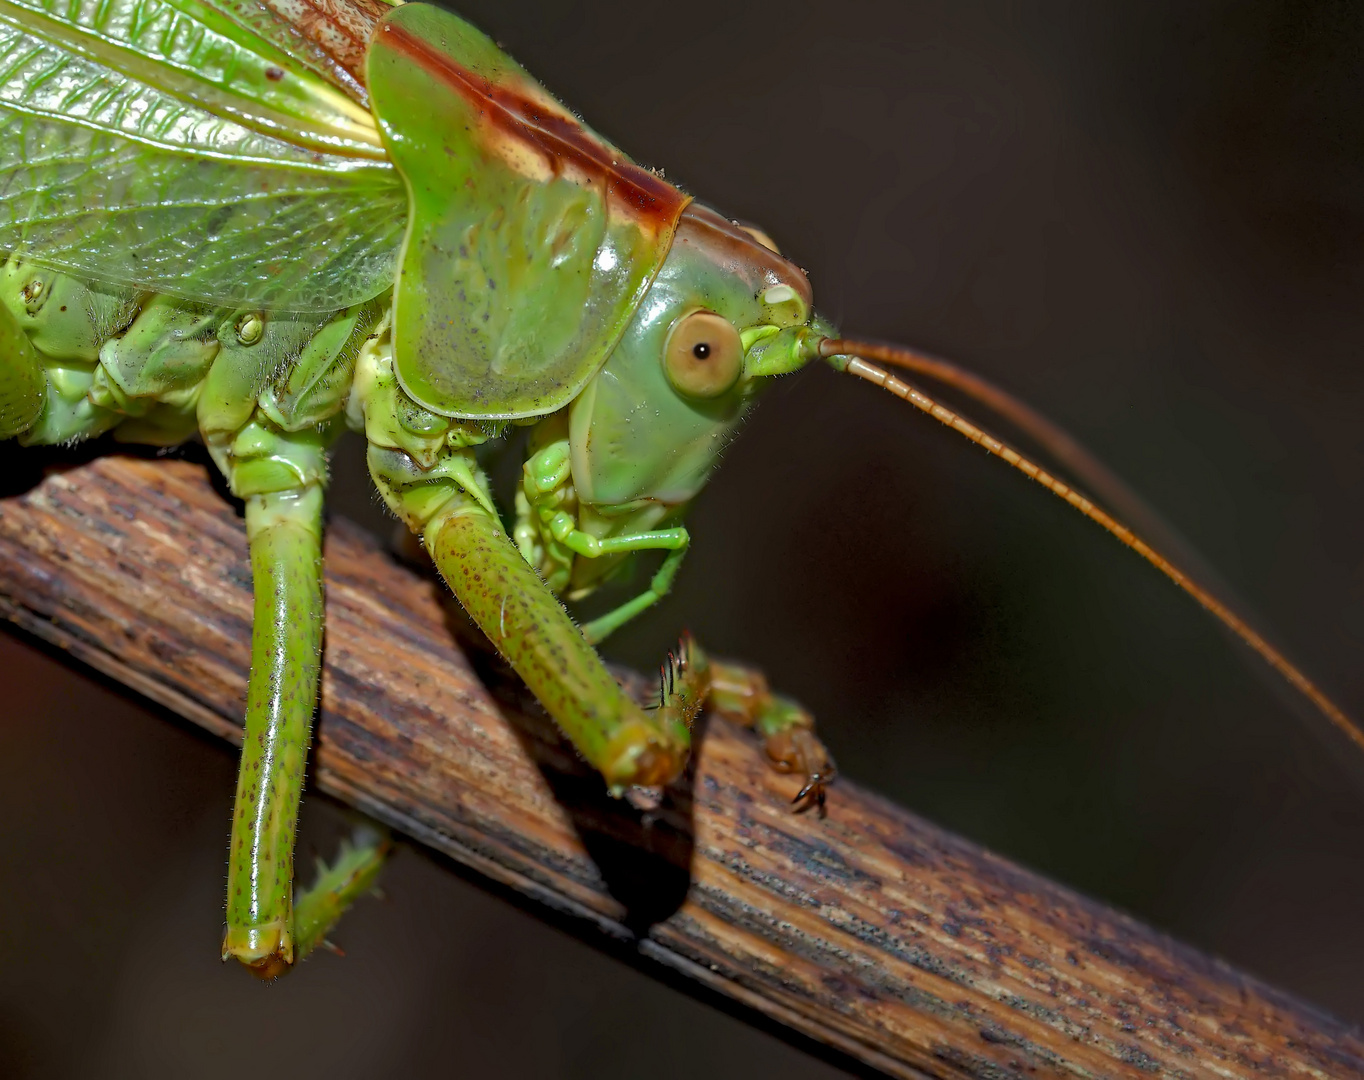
(700, 350)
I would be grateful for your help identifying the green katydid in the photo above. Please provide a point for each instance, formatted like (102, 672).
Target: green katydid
(261, 230)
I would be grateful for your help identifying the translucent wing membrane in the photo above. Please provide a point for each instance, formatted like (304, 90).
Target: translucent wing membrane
(201, 55)
(111, 170)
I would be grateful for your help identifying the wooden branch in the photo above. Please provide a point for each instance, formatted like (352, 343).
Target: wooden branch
(873, 931)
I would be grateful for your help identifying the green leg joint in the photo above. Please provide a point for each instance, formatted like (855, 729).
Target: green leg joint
(285, 531)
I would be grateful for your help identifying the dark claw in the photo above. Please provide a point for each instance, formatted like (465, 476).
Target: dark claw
(813, 793)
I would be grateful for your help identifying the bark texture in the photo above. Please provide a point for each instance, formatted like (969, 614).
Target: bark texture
(906, 947)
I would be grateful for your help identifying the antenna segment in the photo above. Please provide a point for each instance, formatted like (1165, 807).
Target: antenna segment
(843, 354)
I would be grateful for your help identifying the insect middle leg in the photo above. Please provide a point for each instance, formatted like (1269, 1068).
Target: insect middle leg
(280, 474)
(268, 929)
(285, 533)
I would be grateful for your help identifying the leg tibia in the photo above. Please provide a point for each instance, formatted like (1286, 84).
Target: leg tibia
(285, 531)
(601, 628)
(683, 685)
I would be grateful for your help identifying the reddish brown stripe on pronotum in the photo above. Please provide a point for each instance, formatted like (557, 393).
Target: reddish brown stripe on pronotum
(550, 131)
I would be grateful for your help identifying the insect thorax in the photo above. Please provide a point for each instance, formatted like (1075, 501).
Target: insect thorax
(157, 369)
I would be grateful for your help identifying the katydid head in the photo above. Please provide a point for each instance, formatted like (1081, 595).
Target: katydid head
(724, 314)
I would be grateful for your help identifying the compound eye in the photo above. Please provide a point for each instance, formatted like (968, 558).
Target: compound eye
(704, 356)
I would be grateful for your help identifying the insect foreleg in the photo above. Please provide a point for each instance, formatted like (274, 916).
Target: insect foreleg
(691, 681)
(448, 507)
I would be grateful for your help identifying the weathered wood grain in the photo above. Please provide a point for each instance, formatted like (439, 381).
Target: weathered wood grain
(873, 931)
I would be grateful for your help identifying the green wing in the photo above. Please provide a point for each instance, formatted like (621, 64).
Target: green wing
(169, 146)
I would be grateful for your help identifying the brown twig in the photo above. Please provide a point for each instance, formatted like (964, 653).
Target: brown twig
(871, 930)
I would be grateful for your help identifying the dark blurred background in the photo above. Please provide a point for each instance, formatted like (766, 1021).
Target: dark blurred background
(1148, 220)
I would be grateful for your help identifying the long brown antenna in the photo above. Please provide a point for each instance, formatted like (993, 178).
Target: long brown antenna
(1098, 479)
(837, 349)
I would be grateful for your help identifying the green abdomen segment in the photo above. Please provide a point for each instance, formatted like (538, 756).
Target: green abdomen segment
(22, 382)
